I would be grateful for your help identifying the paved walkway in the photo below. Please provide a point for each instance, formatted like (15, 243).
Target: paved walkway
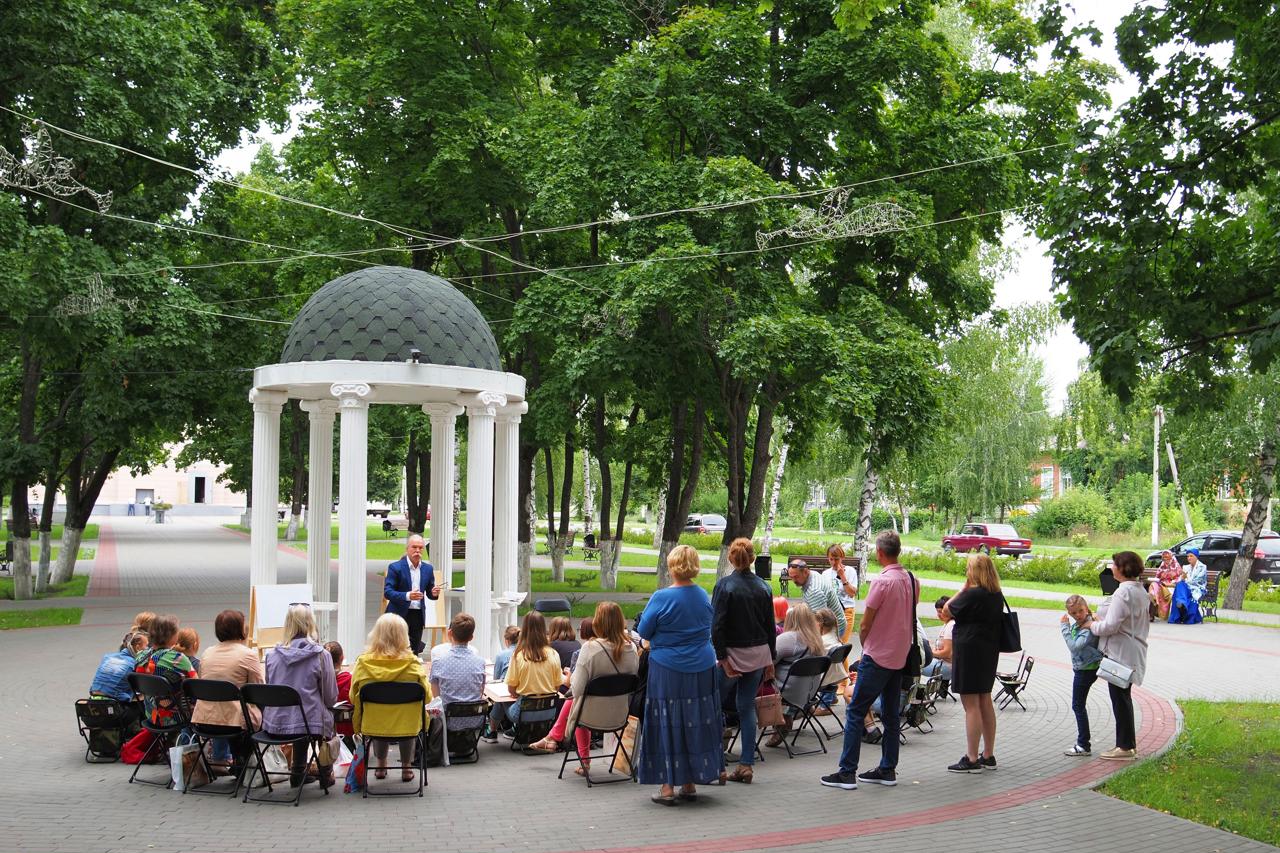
(507, 801)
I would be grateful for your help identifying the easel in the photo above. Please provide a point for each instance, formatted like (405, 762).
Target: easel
(268, 606)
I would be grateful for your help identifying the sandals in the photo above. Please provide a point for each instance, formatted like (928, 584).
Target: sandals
(582, 770)
(408, 775)
(664, 799)
(545, 745)
(742, 774)
(380, 773)
(687, 796)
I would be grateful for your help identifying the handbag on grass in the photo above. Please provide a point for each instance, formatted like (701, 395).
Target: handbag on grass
(1010, 633)
(1114, 672)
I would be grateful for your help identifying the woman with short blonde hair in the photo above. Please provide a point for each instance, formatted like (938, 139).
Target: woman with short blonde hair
(682, 719)
(388, 657)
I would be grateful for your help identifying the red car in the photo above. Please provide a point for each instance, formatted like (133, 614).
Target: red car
(985, 538)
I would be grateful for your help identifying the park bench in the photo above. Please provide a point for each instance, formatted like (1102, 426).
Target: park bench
(590, 549)
(1208, 603)
(459, 551)
(6, 557)
(391, 525)
(813, 564)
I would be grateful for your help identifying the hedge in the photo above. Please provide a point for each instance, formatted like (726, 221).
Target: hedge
(1059, 569)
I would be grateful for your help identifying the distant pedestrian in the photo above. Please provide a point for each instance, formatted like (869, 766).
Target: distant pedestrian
(976, 609)
(1085, 658)
(1122, 624)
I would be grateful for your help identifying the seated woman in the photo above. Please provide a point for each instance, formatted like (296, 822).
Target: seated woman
(534, 671)
(1167, 577)
(303, 664)
(585, 632)
(165, 660)
(608, 652)
(388, 657)
(1197, 575)
(111, 681)
(563, 640)
(779, 613)
(801, 638)
(230, 660)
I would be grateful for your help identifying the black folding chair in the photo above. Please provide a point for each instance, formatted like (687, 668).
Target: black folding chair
(467, 737)
(838, 656)
(534, 719)
(805, 675)
(105, 724)
(157, 692)
(212, 690)
(1012, 686)
(605, 686)
(395, 693)
(918, 706)
(266, 696)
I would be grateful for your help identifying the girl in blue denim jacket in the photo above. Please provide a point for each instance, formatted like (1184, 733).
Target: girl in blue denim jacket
(1085, 658)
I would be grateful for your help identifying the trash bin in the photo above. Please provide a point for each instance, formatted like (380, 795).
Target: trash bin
(159, 516)
(764, 567)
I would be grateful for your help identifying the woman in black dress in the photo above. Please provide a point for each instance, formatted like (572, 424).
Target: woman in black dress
(976, 609)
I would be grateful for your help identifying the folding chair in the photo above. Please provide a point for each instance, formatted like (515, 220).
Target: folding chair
(534, 719)
(395, 693)
(266, 696)
(156, 691)
(603, 723)
(1011, 686)
(1017, 670)
(553, 605)
(468, 736)
(803, 679)
(212, 690)
(838, 656)
(915, 711)
(105, 724)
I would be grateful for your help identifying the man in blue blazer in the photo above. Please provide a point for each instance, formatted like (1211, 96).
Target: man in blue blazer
(410, 582)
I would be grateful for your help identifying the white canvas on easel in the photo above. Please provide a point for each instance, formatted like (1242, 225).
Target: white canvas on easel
(268, 606)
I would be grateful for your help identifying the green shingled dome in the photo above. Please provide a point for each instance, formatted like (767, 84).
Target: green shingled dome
(381, 313)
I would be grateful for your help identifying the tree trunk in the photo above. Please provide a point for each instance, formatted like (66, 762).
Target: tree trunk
(773, 499)
(551, 500)
(600, 445)
(588, 495)
(862, 536)
(746, 486)
(82, 496)
(561, 541)
(660, 516)
(417, 484)
(681, 485)
(526, 523)
(46, 522)
(20, 533)
(1263, 486)
(457, 490)
(296, 453)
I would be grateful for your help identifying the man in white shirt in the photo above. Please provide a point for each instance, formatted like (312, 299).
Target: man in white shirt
(410, 582)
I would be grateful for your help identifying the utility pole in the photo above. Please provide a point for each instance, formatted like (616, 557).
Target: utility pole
(1155, 481)
(1177, 484)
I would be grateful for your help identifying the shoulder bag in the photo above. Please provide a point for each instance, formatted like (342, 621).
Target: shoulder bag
(915, 658)
(1112, 671)
(1010, 633)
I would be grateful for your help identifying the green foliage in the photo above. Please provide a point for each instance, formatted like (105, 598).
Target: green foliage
(845, 519)
(42, 617)
(1075, 509)
(1057, 569)
(1263, 591)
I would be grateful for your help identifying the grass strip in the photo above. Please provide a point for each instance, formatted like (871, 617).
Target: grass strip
(44, 617)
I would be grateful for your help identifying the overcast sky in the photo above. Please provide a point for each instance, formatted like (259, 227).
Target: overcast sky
(1030, 277)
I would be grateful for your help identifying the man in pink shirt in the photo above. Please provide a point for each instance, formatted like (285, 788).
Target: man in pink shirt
(886, 633)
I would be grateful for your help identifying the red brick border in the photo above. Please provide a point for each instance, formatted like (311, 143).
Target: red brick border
(1159, 725)
(104, 580)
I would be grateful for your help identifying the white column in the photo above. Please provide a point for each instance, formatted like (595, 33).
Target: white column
(353, 404)
(444, 419)
(505, 505)
(319, 501)
(481, 412)
(263, 537)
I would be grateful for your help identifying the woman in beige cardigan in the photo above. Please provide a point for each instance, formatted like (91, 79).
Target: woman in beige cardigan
(231, 660)
(608, 653)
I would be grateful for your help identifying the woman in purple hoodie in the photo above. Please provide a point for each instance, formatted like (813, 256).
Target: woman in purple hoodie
(305, 665)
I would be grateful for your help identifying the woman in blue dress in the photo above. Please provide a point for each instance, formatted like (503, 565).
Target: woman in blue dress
(680, 744)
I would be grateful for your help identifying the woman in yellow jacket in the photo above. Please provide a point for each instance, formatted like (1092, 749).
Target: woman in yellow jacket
(388, 657)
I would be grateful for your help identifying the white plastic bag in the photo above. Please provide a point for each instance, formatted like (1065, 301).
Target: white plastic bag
(177, 767)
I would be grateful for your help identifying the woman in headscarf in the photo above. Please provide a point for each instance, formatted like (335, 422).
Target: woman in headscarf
(1167, 577)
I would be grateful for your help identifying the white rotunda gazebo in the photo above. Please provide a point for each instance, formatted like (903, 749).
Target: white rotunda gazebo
(393, 336)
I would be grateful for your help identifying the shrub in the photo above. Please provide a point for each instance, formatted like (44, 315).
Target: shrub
(1080, 539)
(846, 519)
(1075, 508)
(1262, 591)
(1057, 569)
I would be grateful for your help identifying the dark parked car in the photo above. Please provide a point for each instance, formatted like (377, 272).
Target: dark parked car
(985, 538)
(705, 523)
(1218, 551)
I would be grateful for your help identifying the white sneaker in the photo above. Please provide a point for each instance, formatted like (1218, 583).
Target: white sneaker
(1077, 751)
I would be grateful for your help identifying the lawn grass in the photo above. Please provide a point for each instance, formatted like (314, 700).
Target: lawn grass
(73, 588)
(1259, 606)
(1222, 771)
(44, 617)
(55, 532)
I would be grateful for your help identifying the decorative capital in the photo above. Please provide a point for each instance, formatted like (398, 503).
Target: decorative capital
(270, 402)
(351, 395)
(510, 414)
(485, 404)
(319, 410)
(442, 410)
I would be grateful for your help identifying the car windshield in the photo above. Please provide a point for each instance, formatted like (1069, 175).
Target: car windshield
(1005, 530)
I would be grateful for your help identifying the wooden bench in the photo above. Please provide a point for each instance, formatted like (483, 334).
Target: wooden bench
(813, 564)
(1208, 602)
(590, 548)
(459, 551)
(391, 525)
